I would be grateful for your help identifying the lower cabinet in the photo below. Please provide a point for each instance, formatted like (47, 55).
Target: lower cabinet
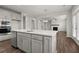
(19, 42)
(34, 43)
(27, 44)
(23, 42)
(14, 42)
(14, 39)
(47, 44)
(36, 46)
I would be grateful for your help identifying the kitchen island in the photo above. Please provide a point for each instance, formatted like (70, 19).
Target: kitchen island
(36, 41)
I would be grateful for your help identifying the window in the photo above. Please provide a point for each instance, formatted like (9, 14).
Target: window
(33, 24)
(75, 26)
(24, 22)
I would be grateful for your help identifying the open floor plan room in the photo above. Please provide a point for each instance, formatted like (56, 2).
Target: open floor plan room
(39, 29)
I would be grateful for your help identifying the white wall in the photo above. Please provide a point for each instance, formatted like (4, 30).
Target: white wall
(61, 20)
(69, 24)
(5, 14)
(65, 25)
(9, 15)
(74, 11)
(27, 21)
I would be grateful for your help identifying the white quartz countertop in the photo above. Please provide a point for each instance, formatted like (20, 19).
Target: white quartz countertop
(39, 32)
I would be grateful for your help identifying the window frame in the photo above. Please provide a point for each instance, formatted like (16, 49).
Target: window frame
(76, 24)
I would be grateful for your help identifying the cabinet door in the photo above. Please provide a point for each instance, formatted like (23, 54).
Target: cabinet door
(47, 44)
(13, 34)
(19, 42)
(26, 44)
(13, 39)
(36, 46)
(14, 42)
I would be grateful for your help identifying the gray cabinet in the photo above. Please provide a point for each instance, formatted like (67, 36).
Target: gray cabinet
(47, 44)
(14, 42)
(14, 39)
(24, 41)
(19, 41)
(13, 34)
(34, 43)
(27, 44)
(36, 46)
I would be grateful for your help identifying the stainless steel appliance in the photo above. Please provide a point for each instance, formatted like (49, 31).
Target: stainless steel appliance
(5, 27)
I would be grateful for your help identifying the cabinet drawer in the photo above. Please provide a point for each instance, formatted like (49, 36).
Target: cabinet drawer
(37, 37)
(25, 34)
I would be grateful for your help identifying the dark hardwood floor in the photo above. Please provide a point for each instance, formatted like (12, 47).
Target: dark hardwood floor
(66, 44)
(5, 47)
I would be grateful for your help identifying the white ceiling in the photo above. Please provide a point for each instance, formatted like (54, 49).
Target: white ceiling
(39, 9)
